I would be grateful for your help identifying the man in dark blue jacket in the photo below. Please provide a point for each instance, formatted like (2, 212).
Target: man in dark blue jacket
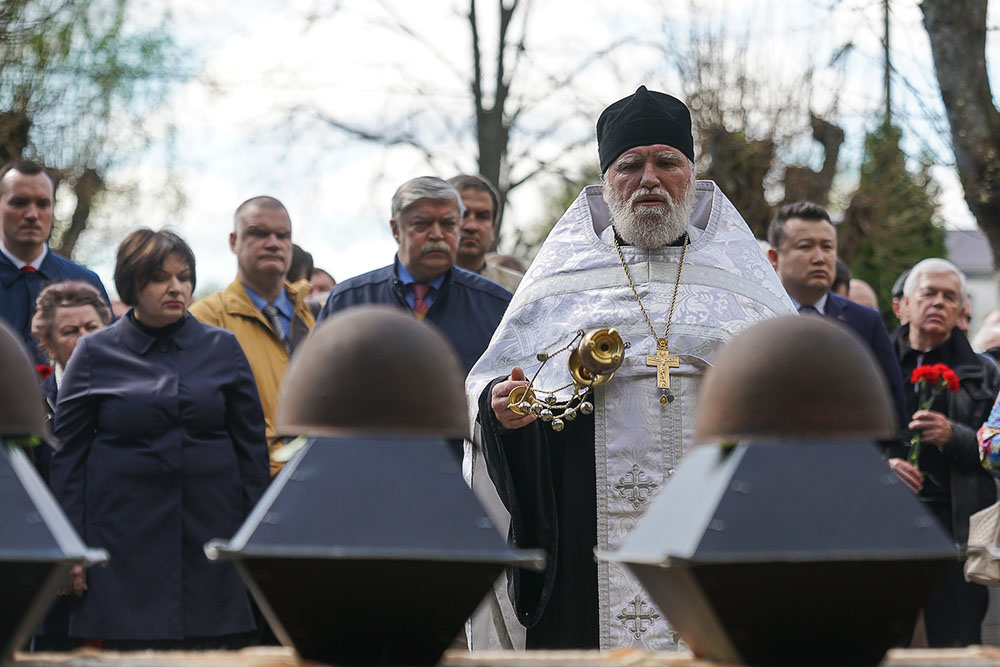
(27, 264)
(423, 278)
(804, 253)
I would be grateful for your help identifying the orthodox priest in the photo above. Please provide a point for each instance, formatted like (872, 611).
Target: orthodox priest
(670, 264)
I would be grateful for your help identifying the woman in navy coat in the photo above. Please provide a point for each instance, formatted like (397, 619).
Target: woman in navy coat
(163, 449)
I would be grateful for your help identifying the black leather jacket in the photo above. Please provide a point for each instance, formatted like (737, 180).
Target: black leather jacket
(972, 488)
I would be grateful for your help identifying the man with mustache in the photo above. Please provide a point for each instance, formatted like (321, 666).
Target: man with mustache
(27, 264)
(423, 278)
(670, 264)
(269, 315)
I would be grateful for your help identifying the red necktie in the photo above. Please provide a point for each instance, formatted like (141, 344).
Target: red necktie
(28, 268)
(420, 305)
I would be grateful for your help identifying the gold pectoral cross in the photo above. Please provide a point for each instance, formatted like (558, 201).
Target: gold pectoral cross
(663, 362)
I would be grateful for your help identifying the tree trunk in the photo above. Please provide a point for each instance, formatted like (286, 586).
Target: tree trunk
(957, 31)
(802, 183)
(739, 166)
(14, 129)
(86, 187)
(492, 124)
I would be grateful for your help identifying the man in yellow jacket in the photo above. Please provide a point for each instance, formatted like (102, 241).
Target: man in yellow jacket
(268, 315)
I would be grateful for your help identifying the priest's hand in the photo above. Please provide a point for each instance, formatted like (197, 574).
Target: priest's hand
(908, 473)
(935, 428)
(501, 406)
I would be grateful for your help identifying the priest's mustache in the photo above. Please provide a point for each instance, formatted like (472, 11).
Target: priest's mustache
(435, 246)
(646, 192)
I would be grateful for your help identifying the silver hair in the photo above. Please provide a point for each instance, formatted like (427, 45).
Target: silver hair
(934, 265)
(986, 338)
(424, 187)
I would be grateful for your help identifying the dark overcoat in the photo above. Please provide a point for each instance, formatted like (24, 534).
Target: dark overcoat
(163, 449)
(41, 454)
(971, 487)
(868, 324)
(54, 627)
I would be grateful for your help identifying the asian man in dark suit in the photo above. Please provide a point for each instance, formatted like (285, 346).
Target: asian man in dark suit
(804, 254)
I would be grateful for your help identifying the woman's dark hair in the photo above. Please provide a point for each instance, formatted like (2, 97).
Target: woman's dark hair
(302, 265)
(66, 294)
(141, 255)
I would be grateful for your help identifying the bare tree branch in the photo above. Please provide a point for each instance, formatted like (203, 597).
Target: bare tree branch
(508, 121)
(383, 138)
(957, 32)
(547, 166)
(397, 23)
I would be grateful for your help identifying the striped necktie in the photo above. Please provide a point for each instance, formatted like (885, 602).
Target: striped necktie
(271, 313)
(420, 305)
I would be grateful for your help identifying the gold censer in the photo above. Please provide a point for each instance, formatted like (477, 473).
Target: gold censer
(594, 358)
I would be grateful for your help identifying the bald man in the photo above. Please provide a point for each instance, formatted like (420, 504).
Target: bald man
(268, 314)
(862, 294)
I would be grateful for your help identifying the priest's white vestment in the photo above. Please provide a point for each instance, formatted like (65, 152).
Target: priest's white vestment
(576, 282)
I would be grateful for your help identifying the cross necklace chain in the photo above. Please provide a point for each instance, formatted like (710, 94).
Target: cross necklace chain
(662, 359)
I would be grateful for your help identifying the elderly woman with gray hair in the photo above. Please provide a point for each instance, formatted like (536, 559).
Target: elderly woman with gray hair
(64, 313)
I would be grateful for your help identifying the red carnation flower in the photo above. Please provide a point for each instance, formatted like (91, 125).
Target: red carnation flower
(931, 380)
(929, 373)
(949, 376)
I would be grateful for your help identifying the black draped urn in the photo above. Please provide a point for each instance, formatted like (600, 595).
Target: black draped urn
(38, 548)
(370, 551)
(784, 538)
(782, 553)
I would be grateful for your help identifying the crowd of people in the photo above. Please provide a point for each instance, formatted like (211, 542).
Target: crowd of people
(164, 417)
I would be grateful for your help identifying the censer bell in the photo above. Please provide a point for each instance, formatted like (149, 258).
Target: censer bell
(592, 362)
(519, 395)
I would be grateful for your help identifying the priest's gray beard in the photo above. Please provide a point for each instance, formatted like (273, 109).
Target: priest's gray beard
(650, 226)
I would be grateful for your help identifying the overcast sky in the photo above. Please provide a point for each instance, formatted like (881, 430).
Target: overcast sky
(233, 134)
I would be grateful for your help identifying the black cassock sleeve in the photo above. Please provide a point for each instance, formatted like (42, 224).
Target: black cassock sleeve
(546, 480)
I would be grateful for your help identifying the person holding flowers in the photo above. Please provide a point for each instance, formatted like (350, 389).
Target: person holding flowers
(952, 390)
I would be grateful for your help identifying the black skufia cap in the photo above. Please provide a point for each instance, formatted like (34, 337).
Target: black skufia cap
(643, 119)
